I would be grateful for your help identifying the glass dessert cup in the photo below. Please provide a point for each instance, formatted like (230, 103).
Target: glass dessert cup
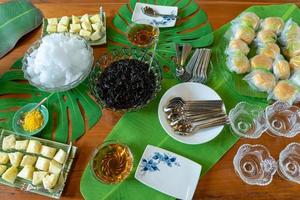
(143, 33)
(282, 119)
(111, 162)
(289, 163)
(122, 54)
(254, 164)
(247, 120)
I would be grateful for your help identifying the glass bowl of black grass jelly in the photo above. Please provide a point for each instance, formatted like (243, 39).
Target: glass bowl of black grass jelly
(125, 79)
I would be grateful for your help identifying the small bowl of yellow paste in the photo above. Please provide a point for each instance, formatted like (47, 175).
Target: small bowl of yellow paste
(30, 122)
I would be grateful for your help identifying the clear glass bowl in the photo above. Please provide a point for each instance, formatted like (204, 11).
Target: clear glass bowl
(254, 164)
(120, 54)
(62, 88)
(289, 163)
(282, 119)
(247, 120)
(111, 162)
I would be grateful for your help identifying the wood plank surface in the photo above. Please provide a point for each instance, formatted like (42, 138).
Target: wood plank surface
(220, 182)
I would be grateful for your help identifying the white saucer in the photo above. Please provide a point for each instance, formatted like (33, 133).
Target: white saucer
(189, 91)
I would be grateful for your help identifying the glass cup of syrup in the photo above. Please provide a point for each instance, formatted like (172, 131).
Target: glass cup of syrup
(143, 33)
(111, 162)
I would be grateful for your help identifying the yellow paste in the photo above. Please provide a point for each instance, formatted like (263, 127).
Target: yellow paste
(33, 121)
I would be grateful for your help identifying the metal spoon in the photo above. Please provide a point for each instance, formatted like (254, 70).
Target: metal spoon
(21, 120)
(153, 13)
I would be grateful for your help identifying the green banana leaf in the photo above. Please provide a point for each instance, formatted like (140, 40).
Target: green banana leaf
(74, 108)
(17, 18)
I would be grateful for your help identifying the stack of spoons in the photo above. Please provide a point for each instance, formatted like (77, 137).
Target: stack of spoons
(188, 117)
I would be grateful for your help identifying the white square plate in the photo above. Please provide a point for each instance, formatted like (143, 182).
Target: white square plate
(139, 15)
(168, 172)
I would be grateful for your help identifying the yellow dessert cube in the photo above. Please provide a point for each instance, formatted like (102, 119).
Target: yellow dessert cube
(8, 142)
(52, 21)
(61, 28)
(10, 174)
(15, 158)
(75, 28)
(85, 18)
(49, 181)
(64, 20)
(3, 158)
(95, 36)
(86, 26)
(97, 26)
(95, 18)
(60, 156)
(21, 144)
(75, 20)
(47, 151)
(42, 164)
(28, 160)
(51, 28)
(26, 172)
(55, 167)
(84, 33)
(34, 146)
(2, 168)
(38, 177)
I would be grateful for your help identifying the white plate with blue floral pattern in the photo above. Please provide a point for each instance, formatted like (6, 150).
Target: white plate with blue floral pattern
(168, 172)
(162, 22)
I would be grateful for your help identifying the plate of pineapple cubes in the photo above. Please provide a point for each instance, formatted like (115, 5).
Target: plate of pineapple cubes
(90, 27)
(33, 164)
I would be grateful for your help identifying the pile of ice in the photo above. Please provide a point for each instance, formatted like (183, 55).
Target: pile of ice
(59, 60)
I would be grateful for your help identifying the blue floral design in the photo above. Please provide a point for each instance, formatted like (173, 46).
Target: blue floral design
(157, 158)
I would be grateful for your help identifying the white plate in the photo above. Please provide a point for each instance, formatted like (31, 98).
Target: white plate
(139, 15)
(189, 91)
(168, 172)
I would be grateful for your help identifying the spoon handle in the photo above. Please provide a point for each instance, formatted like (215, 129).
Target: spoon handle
(39, 104)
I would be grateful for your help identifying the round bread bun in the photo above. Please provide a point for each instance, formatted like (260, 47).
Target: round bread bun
(250, 19)
(281, 69)
(238, 45)
(266, 36)
(275, 24)
(284, 91)
(269, 49)
(264, 81)
(295, 63)
(261, 61)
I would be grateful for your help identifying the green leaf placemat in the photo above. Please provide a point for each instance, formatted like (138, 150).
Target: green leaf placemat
(73, 109)
(137, 129)
(17, 18)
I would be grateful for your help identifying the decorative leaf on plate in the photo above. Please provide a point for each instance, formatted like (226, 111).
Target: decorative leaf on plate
(193, 27)
(71, 112)
(230, 85)
(17, 18)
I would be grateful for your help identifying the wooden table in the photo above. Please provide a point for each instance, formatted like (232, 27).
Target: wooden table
(220, 182)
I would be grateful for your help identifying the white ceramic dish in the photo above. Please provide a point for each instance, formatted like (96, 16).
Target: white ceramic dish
(189, 91)
(168, 172)
(139, 15)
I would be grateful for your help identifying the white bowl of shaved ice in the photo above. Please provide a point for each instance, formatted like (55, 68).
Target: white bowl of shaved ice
(58, 62)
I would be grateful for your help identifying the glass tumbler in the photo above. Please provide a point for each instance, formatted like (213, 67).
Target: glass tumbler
(111, 162)
(247, 120)
(254, 164)
(289, 163)
(282, 119)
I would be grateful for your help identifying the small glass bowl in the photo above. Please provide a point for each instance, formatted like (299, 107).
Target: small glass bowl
(111, 162)
(19, 129)
(69, 86)
(282, 119)
(140, 30)
(254, 164)
(120, 54)
(289, 163)
(247, 120)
